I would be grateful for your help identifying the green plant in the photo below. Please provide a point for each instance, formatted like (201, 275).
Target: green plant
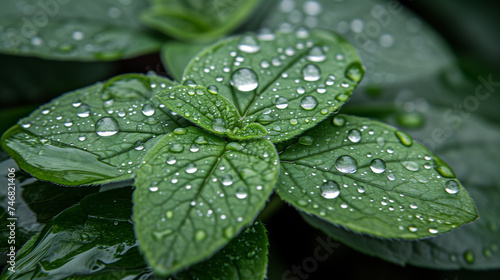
(252, 114)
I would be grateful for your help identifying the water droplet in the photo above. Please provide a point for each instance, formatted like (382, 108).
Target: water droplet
(191, 168)
(354, 135)
(229, 232)
(83, 111)
(346, 164)
(452, 187)
(361, 190)
(82, 138)
(306, 140)
(248, 44)
(77, 35)
(311, 73)
(294, 121)
(281, 102)
(445, 171)
(316, 55)
(200, 235)
(171, 160)
(201, 140)
(265, 119)
(330, 190)
(308, 102)
(176, 148)
(76, 103)
(154, 187)
(227, 180)
(148, 110)
(139, 146)
(377, 166)
(487, 252)
(241, 193)
(404, 138)
(265, 64)
(391, 177)
(106, 126)
(413, 206)
(244, 79)
(169, 214)
(413, 228)
(433, 231)
(213, 89)
(219, 125)
(410, 165)
(194, 148)
(354, 72)
(338, 121)
(469, 256)
(180, 131)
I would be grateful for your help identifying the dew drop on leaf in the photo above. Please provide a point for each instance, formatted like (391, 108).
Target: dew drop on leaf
(377, 166)
(176, 148)
(244, 79)
(316, 55)
(248, 44)
(281, 102)
(308, 102)
(346, 164)
(330, 190)
(191, 168)
(433, 231)
(338, 121)
(354, 135)
(413, 228)
(469, 257)
(201, 140)
(241, 193)
(265, 119)
(410, 165)
(354, 72)
(148, 110)
(306, 140)
(83, 111)
(227, 180)
(452, 187)
(219, 125)
(194, 148)
(200, 235)
(213, 89)
(404, 138)
(171, 160)
(311, 73)
(107, 126)
(229, 232)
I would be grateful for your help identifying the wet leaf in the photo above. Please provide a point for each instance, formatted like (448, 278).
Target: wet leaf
(373, 179)
(197, 20)
(287, 82)
(73, 30)
(195, 192)
(93, 135)
(210, 110)
(473, 246)
(394, 44)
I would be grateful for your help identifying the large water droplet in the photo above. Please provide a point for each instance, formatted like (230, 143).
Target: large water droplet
(265, 119)
(410, 165)
(194, 148)
(452, 187)
(191, 168)
(281, 102)
(316, 55)
(227, 180)
(354, 72)
(377, 166)
(346, 164)
(106, 126)
(148, 110)
(311, 73)
(308, 102)
(445, 171)
(306, 140)
(201, 140)
(241, 193)
(338, 121)
(354, 135)
(248, 44)
(469, 257)
(244, 79)
(83, 111)
(330, 190)
(171, 160)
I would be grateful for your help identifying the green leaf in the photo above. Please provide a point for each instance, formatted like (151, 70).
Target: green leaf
(210, 110)
(93, 135)
(372, 178)
(394, 44)
(75, 30)
(197, 20)
(195, 192)
(473, 246)
(244, 258)
(83, 240)
(175, 56)
(287, 82)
